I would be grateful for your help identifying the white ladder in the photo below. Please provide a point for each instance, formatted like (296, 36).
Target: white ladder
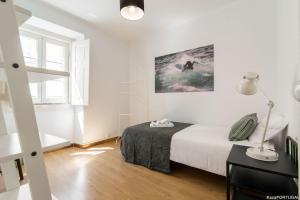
(12, 62)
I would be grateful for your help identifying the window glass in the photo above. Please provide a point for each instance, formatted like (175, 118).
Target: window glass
(55, 56)
(30, 51)
(41, 51)
(56, 89)
(34, 90)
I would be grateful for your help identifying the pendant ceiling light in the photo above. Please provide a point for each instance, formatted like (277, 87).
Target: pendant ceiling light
(132, 9)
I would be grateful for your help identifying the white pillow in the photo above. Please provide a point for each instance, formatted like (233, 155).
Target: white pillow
(277, 124)
(277, 121)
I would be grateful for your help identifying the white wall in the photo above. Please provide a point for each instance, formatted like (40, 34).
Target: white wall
(288, 61)
(245, 39)
(108, 66)
(57, 120)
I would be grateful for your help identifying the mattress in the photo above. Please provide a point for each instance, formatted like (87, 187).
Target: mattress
(204, 147)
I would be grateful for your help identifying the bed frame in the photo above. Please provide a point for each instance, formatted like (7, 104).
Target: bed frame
(292, 149)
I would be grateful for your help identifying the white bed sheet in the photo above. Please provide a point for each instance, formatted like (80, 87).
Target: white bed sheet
(204, 147)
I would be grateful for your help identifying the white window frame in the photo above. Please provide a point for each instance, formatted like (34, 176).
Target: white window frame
(49, 100)
(42, 40)
(67, 68)
(39, 44)
(39, 40)
(59, 43)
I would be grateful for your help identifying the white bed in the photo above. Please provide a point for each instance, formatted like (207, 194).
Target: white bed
(204, 147)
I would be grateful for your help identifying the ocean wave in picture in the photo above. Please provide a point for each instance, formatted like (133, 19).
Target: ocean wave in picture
(186, 71)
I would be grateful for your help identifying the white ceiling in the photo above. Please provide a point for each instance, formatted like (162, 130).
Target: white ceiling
(158, 14)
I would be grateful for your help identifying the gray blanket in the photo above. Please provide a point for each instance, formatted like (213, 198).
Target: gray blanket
(149, 147)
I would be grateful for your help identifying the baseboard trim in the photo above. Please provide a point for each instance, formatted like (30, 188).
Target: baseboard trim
(58, 149)
(85, 146)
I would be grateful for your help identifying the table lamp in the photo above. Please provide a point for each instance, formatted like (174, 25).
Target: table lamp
(249, 86)
(297, 91)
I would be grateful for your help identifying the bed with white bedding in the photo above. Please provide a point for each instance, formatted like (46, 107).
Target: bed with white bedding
(204, 147)
(199, 146)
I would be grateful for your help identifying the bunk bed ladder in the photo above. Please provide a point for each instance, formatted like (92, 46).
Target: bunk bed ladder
(13, 67)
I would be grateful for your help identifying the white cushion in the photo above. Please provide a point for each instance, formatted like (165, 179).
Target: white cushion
(276, 126)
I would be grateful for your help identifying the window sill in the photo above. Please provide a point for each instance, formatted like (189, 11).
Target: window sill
(52, 106)
(36, 74)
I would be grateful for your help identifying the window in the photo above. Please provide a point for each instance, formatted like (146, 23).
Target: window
(30, 50)
(56, 56)
(53, 54)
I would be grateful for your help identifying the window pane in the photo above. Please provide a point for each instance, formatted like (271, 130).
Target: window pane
(55, 89)
(34, 90)
(55, 56)
(30, 51)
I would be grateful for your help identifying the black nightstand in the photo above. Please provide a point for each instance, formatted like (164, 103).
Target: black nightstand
(254, 179)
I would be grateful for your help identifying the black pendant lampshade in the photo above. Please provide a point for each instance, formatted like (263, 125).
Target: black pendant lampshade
(132, 9)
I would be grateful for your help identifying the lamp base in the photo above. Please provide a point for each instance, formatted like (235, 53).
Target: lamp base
(265, 155)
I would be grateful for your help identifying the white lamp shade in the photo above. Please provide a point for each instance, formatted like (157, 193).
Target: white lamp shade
(248, 84)
(297, 91)
(132, 12)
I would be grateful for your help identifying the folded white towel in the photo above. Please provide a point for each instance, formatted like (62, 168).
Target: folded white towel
(164, 121)
(155, 125)
(161, 123)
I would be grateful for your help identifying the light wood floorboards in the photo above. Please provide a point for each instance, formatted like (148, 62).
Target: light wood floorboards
(99, 173)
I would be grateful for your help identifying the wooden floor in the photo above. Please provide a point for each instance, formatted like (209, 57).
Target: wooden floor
(99, 173)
